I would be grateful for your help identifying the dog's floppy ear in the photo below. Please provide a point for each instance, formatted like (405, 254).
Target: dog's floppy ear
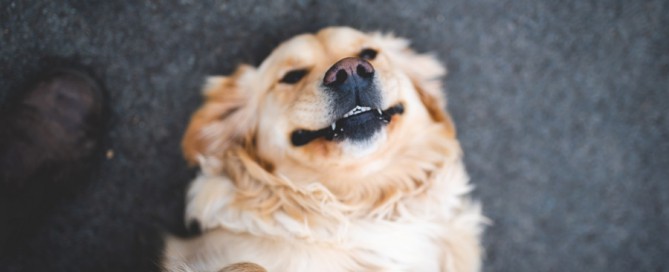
(225, 118)
(425, 73)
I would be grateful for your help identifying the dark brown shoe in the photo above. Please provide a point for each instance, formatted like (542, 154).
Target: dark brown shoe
(48, 140)
(58, 121)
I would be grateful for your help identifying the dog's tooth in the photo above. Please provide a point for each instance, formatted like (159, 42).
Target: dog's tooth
(379, 111)
(358, 110)
(334, 126)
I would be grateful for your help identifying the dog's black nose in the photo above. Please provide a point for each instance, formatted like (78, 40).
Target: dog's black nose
(349, 73)
(350, 83)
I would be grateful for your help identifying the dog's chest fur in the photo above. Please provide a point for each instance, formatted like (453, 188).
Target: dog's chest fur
(365, 246)
(410, 241)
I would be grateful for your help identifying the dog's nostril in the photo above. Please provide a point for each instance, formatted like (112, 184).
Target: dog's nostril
(335, 77)
(365, 72)
(341, 77)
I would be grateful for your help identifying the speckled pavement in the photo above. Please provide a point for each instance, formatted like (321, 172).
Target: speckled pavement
(561, 108)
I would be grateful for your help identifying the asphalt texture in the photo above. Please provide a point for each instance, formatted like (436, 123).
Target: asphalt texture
(561, 108)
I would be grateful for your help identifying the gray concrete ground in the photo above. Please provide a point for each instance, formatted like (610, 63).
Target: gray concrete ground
(561, 108)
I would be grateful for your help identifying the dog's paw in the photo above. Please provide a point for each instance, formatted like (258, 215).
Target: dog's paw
(206, 197)
(243, 267)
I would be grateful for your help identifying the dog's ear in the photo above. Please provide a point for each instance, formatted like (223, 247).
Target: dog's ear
(425, 73)
(225, 119)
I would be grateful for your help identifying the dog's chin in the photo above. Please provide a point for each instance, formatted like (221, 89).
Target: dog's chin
(358, 128)
(362, 147)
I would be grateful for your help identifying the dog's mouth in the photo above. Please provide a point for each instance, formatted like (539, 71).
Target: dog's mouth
(360, 123)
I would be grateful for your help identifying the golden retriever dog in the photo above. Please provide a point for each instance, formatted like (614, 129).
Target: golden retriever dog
(335, 154)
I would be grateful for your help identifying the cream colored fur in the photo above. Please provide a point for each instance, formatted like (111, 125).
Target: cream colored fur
(396, 203)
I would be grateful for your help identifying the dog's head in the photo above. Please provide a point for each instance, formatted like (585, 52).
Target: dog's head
(335, 103)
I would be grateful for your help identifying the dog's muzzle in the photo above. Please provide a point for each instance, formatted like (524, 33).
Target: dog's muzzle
(356, 104)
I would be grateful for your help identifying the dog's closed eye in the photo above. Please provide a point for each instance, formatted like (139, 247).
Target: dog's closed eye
(368, 54)
(294, 76)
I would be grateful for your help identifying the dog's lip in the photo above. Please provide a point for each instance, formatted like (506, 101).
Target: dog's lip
(302, 137)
